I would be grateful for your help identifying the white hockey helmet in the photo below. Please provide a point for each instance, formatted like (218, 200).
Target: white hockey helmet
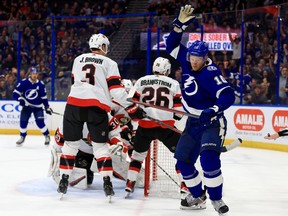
(98, 40)
(127, 83)
(162, 66)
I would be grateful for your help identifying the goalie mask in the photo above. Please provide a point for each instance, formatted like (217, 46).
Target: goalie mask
(99, 41)
(162, 66)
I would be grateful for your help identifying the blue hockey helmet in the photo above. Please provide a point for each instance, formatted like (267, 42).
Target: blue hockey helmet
(198, 48)
(33, 70)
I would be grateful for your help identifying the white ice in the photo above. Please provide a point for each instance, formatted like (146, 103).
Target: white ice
(255, 184)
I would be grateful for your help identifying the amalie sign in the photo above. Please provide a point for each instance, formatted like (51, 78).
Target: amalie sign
(249, 119)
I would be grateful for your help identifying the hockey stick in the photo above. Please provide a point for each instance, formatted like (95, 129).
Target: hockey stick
(164, 124)
(162, 108)
(156, 120)
(57, 113)
(232, 145)
(166, 173)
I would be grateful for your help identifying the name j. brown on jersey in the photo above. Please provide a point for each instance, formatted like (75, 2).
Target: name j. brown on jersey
(93, 60)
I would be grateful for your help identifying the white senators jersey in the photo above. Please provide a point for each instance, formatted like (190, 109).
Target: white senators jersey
(85, 142)
(96, 79)
(159, 90)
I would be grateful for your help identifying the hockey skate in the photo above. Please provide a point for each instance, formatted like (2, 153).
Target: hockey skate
(191, 203)
(220, 207)
(129, 187)
(47, 140)
(108, 187)
(184, 191)
(63, 185)
(20, 141)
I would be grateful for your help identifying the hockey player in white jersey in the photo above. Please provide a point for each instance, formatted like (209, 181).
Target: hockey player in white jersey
(96, 80)
(161, 90)
(83, 172)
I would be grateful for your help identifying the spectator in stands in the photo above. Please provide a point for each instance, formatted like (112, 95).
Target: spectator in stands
(10, 85)
(236, 46)
(256, 97)
(2, 87)
(283, 86)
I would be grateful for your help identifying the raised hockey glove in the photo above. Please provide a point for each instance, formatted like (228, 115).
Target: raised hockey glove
(177, 117)
(21, 102)
(135, 112)
(208, 115)
(48, 110)
(184, 18)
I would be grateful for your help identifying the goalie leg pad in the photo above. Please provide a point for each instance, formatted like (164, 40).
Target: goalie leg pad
(84, 160)
(78, 178)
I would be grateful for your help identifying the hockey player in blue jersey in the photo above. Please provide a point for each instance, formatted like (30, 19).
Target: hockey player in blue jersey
(31, 94)
(206, 94)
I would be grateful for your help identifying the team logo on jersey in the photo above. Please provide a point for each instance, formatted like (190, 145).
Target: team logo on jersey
(190, 85)
(31, 94)
(211, 68)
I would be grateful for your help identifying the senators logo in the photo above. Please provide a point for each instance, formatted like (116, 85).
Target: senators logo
(249, 119)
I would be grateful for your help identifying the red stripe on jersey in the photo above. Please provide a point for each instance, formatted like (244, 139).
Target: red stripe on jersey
(65, 167)
(113, 77)
(134, 169)
(114, 141)
(68, 156)
(103, 159)
(115, 87)
(177, 105)
(105, 169)
(87, 103)
(151, 124)
(136, 96)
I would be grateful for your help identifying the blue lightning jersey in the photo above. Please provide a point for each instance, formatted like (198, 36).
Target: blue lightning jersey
(200, 89)
(34, 94)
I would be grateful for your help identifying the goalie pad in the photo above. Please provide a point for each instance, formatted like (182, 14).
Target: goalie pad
(120, 170)
(54, 164)
(78, 178)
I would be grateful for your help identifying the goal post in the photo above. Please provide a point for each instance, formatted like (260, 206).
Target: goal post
(161, 179)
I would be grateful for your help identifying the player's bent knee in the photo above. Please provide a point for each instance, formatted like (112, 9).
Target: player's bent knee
(210, 161)
(139, 156)
(70, 147)
(100, 150)
(185, 168)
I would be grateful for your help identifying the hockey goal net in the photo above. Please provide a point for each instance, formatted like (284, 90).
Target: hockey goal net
(161, 179)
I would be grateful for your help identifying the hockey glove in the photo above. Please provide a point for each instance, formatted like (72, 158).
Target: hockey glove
(208, 115)
(184, 18)
(21, 102)
(48, 110)
(126, 133)
(135, 112)
(177, 117)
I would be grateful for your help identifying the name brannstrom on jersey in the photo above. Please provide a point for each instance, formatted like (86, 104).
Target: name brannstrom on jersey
(155, 82)
(89, 59)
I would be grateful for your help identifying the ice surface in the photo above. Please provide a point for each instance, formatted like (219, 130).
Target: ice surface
(255, 184)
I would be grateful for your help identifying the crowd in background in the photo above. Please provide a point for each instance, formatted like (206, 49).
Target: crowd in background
(33, 18)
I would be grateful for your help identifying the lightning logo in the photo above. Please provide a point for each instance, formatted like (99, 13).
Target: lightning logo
(190, 85)
(31, 94)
